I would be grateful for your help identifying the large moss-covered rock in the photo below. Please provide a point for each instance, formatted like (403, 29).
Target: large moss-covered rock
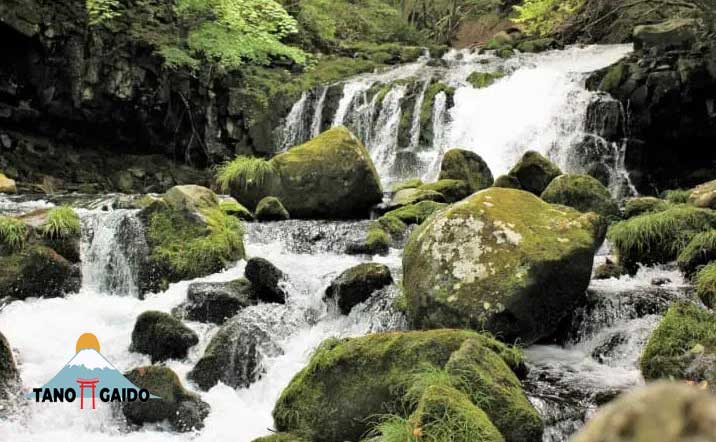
(188, 236)
(233, 208)
(508, 182)
(357, 284)
(349, 381)
(162, 336)
(535, 172)
(9, 375)
(331, 176)
(452, 190)
(683, 346)
(502, 260)
(704, 195)
(7, 185)
(37, 271)
(184, 410)
(582, 192)
(664, 412)
(464, 165)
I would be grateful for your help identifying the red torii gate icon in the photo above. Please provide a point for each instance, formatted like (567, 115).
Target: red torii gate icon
(86, 383)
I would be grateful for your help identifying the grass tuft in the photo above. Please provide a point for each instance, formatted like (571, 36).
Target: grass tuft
(393, 428)
(244, 172)
(424, 377)
(13, 233)
(62, 222)
(705, 282)
(698, 252)
(677, 196)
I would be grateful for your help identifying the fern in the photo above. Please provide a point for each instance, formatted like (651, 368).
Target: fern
(100, 11)
(62, 222)
(244, 172)
(13, 233)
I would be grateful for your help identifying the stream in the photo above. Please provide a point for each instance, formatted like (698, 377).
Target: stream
(540, 104)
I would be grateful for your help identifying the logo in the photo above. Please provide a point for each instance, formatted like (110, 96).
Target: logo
(89, 376)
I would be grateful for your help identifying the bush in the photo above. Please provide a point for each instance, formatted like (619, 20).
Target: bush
(699, 252)
(705, 282)
(13, 233)
(655, 238)
(62, 222)
(244, 172)
(543, 17)
(677, 196)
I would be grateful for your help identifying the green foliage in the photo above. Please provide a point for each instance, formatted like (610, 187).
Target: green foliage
(698, 252)
(543, 17)
(392, 225)
(100, 11)
(377, 239)
(638, 206)
(13, 233)
(480, 80)
(416, 213)
(62, 222)
(393, 428)
(677, 196)
(424, 377)
(244, 172)
(412, 183)
(705, 282)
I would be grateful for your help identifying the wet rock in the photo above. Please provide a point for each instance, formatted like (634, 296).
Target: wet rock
(7, 185)
(377, 242)
(271, 209)
(162, 336)
(37, 271)
(677, 33)
(535, 172)
(502, 260)
(538, 45)
(507, 182)
(464, 165)
(191, 198)
(605, 352)
(582, 192)
(362, 377)
(357, 284)
(660, 281)
(9, 375)
(452, 190)
(266, 280)
(232, 207)
(184, 410)
(667, 412)
(216, 301)
(608, 270)
(407, 197)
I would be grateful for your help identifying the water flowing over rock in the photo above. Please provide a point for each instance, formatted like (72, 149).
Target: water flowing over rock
(357, 284)
(162, 336)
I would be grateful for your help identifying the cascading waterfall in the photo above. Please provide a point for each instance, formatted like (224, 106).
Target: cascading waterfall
(415, 126)
(433, 156)
(293, 130)
(385, 138)
(318, 112)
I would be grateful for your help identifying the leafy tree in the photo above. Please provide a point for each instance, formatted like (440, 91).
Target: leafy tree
(441, 18)
(101, 10)
(543, 17)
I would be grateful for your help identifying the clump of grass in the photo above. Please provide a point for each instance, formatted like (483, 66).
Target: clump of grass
(705, 282)
(62, 222)
(677, 196)
(658, 237)
(244, 172)
(426, 376)
(698, 252)
(393, 428)
(13, 233)
(641, 205)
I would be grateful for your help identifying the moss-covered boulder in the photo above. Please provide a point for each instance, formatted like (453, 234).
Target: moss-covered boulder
(508, 182)
(698, 252)
(705, 283)
(162, 336)
(7, 185)
(480, 80)
(444, 413)
(331, 176)
(188, 236)
(377, 242)
(416, 213)
(663, 411)
(683, 346)
(659, 237)
(704, 195)
(641, 205)
(215, 302)
(357, 284)
(407, 197)
(464, 165)
(265, 280)
(184, 410)
(271, 209)
(501, 260)
(582, 192)
(452, 190)
(538, 45)
(535, 172)
(9, 375)
(412, 183)
(349, 382)
(233, 208)
(37, 271)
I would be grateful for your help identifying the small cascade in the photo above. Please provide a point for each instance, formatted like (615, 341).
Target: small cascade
(351, 91)
(385, 139)
(294, 130)
(318, 112)
(415, 126)
(433, 157)
(112, 250)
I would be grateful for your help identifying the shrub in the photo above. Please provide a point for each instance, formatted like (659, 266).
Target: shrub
(543, 17)
(705, 282)
(658, 237)
(677, 196)
(62, 222)
(244, 172)
(698, 252)
(13, 233)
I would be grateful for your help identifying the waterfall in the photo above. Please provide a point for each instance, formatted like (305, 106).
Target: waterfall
(350, 92)
(415, 126)
(112, 249)
(318, 112)
(384, 144)
(433, 156)
(294, 130)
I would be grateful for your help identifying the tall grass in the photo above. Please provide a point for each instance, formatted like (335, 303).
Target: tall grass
(424, 377)
(698, 252)
(244, 172)
(677, 196)
(13, 233)
(705, 282)
(393, 428)
(62, 222)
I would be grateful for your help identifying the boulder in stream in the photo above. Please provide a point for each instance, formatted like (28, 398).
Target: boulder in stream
(215, 302)
(583, 193)
(271, 209)
(508, 182)
(162, 336)
(452, 190)
(357, 284)
(9, 375)
(184, 410)
(535, 172)
(502, 260)
(266, 280)
(464, 165)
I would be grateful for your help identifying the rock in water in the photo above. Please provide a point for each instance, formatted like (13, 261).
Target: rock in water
(9, 376)
(459, 164)
(271, 209)
(216, 301)
(452, 190)
(7, 185)
(350, 381)
(535, 172)
(664, 412)
(265, 278)
(184, 410)
(508, 182)
(162, 336)
(191, 198)
(582, 192)
(331, 176)
(356, 284)
(503, 260)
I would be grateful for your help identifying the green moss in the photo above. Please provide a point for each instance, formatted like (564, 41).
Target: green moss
(698, 252)
(658, 237)
(233, 208)
(244, 173)
(413, 183)
(394, 226)
(536, 45)
(465, 165)
(393, 428)
(507, 182)
(452, 190)
(638, 206)
(677, 196)
(614, 77)
(480, 80)
(535, 172)
(705, 283)
(684, 327)
(582, 192)
(271, 209)
(416, 213)
(13, 233)
(377, 240)
(62, 222)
